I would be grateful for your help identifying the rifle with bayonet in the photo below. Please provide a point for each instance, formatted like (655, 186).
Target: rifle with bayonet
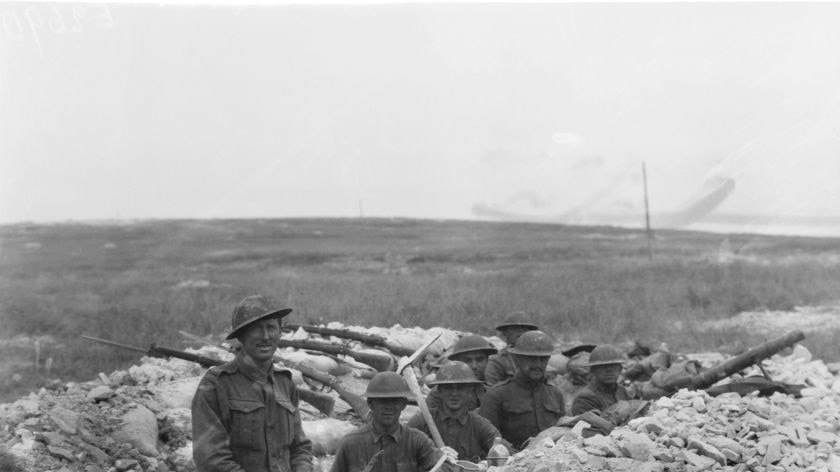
(323, 402)
(381, 363)
(357, 403)
(370, 339)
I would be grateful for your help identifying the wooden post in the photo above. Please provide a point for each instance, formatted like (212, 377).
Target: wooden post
(647, 215)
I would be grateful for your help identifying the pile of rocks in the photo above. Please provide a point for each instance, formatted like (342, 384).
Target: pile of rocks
(139, 420)
(691, 431)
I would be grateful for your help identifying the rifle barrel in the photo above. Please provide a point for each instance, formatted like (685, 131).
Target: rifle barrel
(742, 361)
(115, 344)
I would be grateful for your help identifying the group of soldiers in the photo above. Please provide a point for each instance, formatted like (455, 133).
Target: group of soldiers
(245, 413)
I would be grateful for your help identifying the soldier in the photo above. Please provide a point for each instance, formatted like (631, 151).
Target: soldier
(525, 404)
(474, 351)
(385, 445)
(602, 391)
(500, 366)
(245, 413)
(470, 435)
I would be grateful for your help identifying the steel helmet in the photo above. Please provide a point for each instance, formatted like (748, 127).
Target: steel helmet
(517, 318)
(472, 343)
(251, 309)
(533, 343)
(387, 385)
(605, 355)
(572, 352)
(455, 372)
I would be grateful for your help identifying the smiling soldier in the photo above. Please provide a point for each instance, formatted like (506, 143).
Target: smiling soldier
(244, 413)
(526, 404)
(385, 445)
(474, 351)
(605, 364)
(470, 435)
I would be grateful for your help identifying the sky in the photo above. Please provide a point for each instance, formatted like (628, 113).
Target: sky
(540, 112)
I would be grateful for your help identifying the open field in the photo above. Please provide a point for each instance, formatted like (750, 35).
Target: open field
(141, 282)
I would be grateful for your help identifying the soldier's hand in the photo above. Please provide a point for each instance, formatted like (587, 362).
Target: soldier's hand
(451, 454)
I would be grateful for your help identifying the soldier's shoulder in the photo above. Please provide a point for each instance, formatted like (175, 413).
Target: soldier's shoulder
(415, 434)
(282, 372)
(357, 435)
(498, 388)
(218, 371)
(215, 375)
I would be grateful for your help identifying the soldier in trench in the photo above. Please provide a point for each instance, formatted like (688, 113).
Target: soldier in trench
(245, 413)
(463, 430)
(501, 366)
(525, 404)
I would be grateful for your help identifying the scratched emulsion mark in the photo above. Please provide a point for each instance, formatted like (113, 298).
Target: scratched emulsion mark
(33, 23)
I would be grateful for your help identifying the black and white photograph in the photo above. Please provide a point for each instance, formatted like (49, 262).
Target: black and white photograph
(378, 236)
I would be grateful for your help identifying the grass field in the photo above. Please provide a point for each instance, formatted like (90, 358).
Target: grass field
(140, 283)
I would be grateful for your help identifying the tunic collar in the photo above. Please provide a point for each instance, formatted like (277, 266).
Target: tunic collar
(377, 435)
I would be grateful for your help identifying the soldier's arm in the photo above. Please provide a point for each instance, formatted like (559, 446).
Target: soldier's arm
(211, 442)
(340, 464)
(486, 433)
(427, 454)
(490, 407)
(583, 403)
(300, 449)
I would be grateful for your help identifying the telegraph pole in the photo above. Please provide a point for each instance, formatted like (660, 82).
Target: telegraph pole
(647, 214)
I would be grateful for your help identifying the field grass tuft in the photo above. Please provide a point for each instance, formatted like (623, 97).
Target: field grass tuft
(142, 282)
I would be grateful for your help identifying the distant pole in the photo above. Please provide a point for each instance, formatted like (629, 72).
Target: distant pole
(647, 214)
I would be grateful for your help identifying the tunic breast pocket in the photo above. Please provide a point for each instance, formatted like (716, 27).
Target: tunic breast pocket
(247, 424)
(407, 467)
(518, 408)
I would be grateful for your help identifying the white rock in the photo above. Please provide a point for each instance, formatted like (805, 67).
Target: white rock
(139, 428)
(326, 434)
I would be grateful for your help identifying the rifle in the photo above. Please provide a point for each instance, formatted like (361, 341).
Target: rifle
(370, 339)
(742, 361)
(323, 402)
(381, 363)
(357, 403)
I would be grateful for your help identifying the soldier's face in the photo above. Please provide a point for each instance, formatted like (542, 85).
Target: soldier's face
(476, 360)
(259, 339)
(532, 366)
(512, 334)
(606, 374)
(385, 412)
(455, 395)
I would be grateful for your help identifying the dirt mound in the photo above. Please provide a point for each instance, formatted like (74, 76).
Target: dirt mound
(139, 420)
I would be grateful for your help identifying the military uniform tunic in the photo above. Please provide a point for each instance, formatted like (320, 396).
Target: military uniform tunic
(520, 408)
(246, 420)
(596, 396)
(405, 450)
(469, 434)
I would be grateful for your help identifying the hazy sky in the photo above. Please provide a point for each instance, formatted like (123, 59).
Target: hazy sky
(149, 110)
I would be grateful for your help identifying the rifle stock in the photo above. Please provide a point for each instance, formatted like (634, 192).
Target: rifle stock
(742, 361)
(365, 338)
(323, 402)
(381, 363)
